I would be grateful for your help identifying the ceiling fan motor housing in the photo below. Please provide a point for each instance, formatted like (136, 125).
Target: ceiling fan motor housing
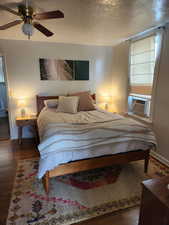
(26, 13)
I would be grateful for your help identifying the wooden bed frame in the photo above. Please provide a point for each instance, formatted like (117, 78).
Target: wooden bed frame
(91, 163)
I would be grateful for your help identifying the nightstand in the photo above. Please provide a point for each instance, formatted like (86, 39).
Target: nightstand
(26, 121)
(155, 202)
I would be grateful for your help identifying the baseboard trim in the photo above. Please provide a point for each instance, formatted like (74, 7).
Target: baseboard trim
(5, 139)
(160, 158)
(24, 140)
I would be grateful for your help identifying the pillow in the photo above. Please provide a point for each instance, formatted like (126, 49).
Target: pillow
(68, 104)
(85, 101)
(51, 103)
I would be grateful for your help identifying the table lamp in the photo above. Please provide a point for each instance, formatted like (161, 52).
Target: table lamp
(22, 104)
(106, 99)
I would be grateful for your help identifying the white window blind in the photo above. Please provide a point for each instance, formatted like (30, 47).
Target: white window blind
(142, 62)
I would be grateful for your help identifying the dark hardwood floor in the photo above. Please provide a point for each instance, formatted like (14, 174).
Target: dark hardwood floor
(10, 153)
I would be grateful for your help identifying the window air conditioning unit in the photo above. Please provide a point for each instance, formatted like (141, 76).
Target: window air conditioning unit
(139, 105)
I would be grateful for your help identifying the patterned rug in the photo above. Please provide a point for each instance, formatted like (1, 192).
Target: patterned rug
(76, 197)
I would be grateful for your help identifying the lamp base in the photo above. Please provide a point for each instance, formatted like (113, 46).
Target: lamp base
(106, 106)
(23, 113)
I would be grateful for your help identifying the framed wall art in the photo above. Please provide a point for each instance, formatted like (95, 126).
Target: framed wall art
(57, 69)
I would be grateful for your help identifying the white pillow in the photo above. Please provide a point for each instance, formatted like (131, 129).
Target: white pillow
(51, 103)
(68, 104)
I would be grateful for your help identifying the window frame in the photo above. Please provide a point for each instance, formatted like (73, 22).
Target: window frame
(129, 80)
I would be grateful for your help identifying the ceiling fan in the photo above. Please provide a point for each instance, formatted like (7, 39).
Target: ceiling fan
(28, 18)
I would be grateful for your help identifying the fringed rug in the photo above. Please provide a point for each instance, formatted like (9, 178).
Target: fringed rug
(76, 197)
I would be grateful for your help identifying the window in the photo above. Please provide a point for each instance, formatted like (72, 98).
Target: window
(142, 63)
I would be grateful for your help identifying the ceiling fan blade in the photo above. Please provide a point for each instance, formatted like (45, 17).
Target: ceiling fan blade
(11, 24)
(49, 15)
(42, 29)
(3, 7)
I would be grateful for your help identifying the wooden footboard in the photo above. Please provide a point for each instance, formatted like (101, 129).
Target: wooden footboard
(98, 162)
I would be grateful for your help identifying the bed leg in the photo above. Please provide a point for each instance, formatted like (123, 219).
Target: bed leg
(46, 182)
(146, 161)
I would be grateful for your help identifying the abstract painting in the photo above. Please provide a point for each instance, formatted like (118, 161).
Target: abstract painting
(57, 69)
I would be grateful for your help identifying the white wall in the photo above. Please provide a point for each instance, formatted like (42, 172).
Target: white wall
(161, 101)
(23, 75)
(108, 73)
(120, 65)
(1, 70)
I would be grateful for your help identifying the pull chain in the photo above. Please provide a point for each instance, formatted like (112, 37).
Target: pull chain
(27, 7)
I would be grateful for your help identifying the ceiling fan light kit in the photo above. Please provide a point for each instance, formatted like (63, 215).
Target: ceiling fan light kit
(29, 17)
(27, 29)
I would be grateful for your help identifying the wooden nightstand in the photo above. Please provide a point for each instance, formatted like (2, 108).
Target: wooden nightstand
(155, 202)
(26, 121)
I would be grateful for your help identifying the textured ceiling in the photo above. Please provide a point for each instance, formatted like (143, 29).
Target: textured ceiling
(96, 22)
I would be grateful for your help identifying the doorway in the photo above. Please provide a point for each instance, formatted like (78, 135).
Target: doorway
(4, 119)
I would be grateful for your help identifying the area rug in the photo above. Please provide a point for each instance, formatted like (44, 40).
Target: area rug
(76, 197)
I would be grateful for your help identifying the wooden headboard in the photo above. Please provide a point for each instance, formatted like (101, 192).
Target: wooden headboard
(40, 101)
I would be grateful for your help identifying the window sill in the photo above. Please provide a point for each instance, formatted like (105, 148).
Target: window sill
(142, 119)
(140, 96)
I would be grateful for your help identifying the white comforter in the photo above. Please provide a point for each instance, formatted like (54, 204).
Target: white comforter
(66, 137)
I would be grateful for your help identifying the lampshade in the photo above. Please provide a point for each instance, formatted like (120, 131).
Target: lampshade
(21, 103)
(106, 98)
(27, 29)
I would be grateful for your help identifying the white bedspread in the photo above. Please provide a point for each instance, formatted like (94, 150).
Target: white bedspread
(68, 137)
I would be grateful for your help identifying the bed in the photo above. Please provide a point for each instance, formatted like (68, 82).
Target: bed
(101, 153)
